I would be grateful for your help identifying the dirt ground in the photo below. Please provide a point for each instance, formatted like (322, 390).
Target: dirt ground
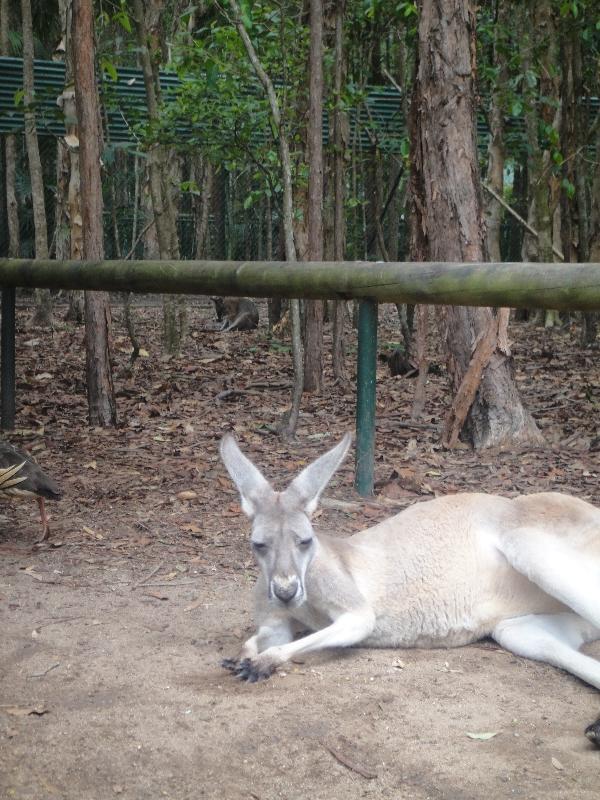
(113, 631)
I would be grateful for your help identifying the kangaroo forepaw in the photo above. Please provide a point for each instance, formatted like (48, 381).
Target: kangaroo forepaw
(245, 670)
(593, 732)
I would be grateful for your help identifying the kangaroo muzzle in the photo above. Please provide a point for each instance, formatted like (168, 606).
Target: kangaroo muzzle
(285, 588)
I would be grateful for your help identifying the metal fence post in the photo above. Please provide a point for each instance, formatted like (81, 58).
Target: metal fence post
(7, 357)
(365, 397)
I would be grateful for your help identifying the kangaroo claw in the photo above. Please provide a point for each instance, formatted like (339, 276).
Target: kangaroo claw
(593, 732)
(247, 671)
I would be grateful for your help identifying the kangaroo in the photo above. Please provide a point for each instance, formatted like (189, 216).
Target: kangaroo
(442, 573)
(236, 313)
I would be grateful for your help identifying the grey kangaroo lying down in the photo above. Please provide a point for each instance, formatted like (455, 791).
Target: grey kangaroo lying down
(440, 574)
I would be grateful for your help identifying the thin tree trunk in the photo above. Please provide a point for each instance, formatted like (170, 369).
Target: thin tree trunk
(43, 312)
(422, 361)
(101, 396)
(290, 421)
(589, 320)
(202, 207)
(313, 309)
(543, 185)
(495, 164)
(594, 232)
(68, 185)
(146, 18)
(447, 224)
(10, 149)
(340, 130)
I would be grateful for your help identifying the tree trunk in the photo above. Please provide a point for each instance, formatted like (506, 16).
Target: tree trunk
(447, 224)
(543, 185)
(147, 18)
(68, 226)
(10, 149)
(576, 168)
(340, 139)
(290, 420)
(43, 312)
(201, 205)
(594, 227)
(101, 396)
(495, 165)
(313, 332)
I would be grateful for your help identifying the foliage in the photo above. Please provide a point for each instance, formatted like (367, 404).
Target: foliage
(224, 112)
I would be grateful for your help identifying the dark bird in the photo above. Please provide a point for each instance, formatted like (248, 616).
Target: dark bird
(20, 476)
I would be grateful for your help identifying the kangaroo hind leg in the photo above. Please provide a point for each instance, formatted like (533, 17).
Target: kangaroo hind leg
(554, 639)
(563, 570)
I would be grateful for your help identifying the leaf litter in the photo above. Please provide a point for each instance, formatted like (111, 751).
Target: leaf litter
(152, 493)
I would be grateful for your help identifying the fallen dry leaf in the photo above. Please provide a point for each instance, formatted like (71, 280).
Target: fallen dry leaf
(156, 595)
(187, 494)
(33, 574)
(92, 533)
(191, 527)
(193, 606)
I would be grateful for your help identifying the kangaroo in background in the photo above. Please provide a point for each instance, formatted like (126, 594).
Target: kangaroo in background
(442, 573)
(236, 313)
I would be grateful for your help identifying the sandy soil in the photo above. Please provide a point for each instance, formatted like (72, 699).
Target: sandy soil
(112, 633)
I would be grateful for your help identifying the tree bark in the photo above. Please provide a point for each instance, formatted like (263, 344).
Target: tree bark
(495, 164)
(68, 221)
(10, 149)
(539, 33)
(313, 331)
(101, 396)
(147, 17)
(447, 223)
(43, 312)
(204, 171)
(576, 169)
(340, 132)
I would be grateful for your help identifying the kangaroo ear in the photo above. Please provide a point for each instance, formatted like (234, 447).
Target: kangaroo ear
(253, 487)
(308, 486)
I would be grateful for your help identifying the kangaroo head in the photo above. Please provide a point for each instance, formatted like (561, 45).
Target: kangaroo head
(283, 539)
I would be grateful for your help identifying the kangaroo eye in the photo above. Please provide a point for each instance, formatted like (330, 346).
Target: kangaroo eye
(259, 547)
(304, 543)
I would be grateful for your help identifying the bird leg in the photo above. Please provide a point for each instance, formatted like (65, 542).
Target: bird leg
(44, 518)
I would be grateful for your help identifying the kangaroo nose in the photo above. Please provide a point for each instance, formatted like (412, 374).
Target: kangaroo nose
(285, 588)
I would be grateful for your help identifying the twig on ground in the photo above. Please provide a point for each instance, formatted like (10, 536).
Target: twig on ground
(147, 578)
(349, 763)
(45, 672)
(165, 583)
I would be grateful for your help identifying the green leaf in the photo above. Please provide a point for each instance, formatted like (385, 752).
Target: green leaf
(569, 188)
(122, 17)
(109, 68)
